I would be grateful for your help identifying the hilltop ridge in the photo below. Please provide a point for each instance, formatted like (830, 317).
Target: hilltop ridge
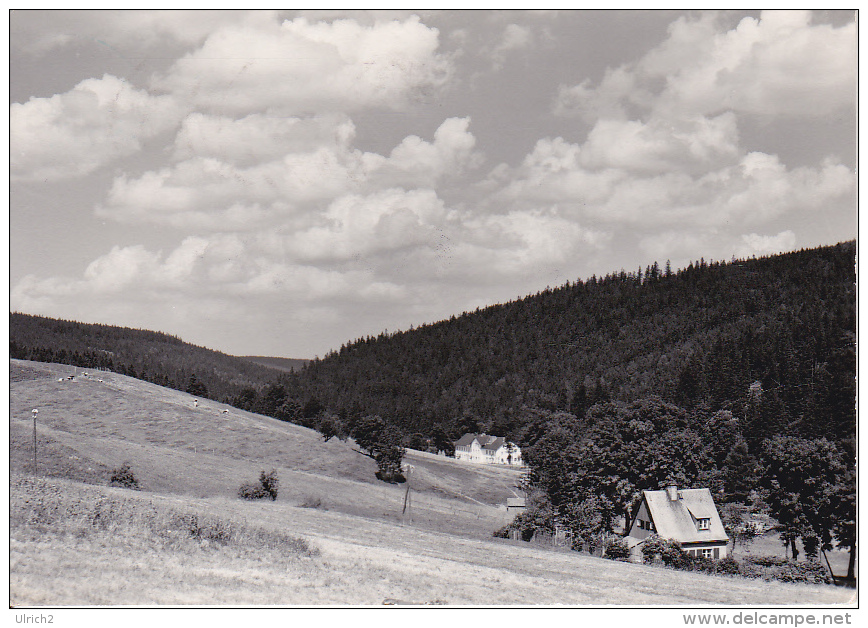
(700, 337)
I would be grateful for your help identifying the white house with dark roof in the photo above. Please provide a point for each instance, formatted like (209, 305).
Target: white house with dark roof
(688, 516)
(487, 449)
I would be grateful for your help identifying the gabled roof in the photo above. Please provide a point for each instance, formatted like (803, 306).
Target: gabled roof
(486, 441)
(465, 440)
(676, 519)
(494, 443)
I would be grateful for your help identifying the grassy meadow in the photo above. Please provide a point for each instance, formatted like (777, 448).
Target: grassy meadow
(335, 535)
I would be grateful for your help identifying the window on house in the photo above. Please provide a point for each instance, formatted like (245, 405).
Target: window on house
(641, 524)
(704, 524)
(651, 526)
(706, 553)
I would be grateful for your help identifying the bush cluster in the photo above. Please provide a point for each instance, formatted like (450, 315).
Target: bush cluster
(205, 529)
(267, 487)
(616, 549)
(775, 568)
(538, 517)
(666, 550)
(123, 477)
(768, 561)
(501, 533)
(809, 571)
(671, 554)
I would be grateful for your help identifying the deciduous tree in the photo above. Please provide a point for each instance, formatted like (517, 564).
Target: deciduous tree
(804, 482)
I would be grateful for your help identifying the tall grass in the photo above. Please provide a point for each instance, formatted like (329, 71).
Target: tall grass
(41, 507)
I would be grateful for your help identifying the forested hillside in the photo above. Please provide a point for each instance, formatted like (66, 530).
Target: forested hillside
(738, 377)
(281, 364)
(703, 337)
(152, 356)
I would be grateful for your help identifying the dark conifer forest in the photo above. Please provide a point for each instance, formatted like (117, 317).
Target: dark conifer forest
(711, 337)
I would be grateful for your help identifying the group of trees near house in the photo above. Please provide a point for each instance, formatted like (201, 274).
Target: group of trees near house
(712, 376)
(588, 472)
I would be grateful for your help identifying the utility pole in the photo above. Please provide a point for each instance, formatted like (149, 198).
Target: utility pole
(35, 465)
(408, 498)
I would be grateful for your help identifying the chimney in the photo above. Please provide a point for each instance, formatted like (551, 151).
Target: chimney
(672, 492)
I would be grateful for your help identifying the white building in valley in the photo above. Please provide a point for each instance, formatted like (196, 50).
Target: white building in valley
(487, 449)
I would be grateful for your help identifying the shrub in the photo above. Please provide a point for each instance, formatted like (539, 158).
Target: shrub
(652, 548)
(774, 568)
(809, 571)
(123, 477)
(616, 549)
(269, 483)
(391, 476)
(539, 517)
(586, 522)
(768, 561)
(668, 551)
(675, 557)
(389, 462)
(311, 502)
(252, 491)
(672, 555)
(267, 487)
(205, 529)
(727, 565)
(502, 533)
(584, 541)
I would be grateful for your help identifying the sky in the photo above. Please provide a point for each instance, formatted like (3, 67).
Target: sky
(281, 182)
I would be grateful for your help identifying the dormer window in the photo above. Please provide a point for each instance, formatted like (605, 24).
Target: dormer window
(703, 524)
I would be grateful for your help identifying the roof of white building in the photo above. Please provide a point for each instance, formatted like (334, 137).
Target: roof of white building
(492, 442)
(486, 441)
(465, 440)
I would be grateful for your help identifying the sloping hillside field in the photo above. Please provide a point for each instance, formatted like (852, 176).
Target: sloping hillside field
(335, 535)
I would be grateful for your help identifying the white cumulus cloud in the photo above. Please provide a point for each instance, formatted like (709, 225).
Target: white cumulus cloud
(607, 186)
(38, 32)
(77, 132)
(261, 170)
(299, 66)
(779, 64)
